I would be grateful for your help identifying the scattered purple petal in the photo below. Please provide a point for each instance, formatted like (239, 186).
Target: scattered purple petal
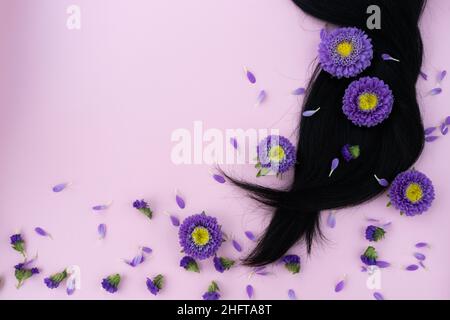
(59, 187)
(250, 235)
(383, 264)
(443, 128)
(250, 76)
(431, 138)
(382, 182)
(219, 178)
(373, 220)
(339, 286)
(261, 97)
(378, 296)
(435, 91)
(424, 75)
(412, 267)
(310, 113)
(298, 92)
(334, 165)
(100, 207)
(180, 201)
(429, 131)
(137, 260)
(422, 245)
(147, 250)
(447, 121)
(101, 230)
(419, 256)
(236, 245)
(292, 295)
(250, 291)
(387, 57)
(363, 269)
(234, 142)
(421, 264)
(331, 220)
(387, 224)
(441, 75)
(175, 221)
(42, 232)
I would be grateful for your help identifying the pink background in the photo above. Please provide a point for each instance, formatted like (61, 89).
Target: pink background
(97, 107)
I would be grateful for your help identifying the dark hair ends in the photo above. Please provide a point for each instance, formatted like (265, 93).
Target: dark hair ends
(386, 150)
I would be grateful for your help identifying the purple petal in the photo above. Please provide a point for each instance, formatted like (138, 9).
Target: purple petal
(419, 256)
(444, 129)
(386, 57)
(339, 286)
(258, 269)
(137, 260)
(59, 187)
(41, 232)
(363, 269)
(424, 75)
(421, 264)
(101, 230)
(441, 75)
(387, 224)
(250, 235)
(219, 178)
(382, 182)
(447, 121)
(383, 264)
(431, 138)
(331, 220)
(310, 113)
(334, 165)
(435, 91)
(262, 273)
(180, 202)
(249, 290)
(250, 76)
(421, 245)
(147, 250)
(236, 245)
(372, 220)
(291, 294)
(412, 267)
(261, 97)
(175, 221)
(429, 130)
(378, 296)
(100, 207)
(234, 143)
(298, 92)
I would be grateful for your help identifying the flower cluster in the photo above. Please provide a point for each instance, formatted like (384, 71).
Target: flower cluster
(200, 236)
(54, 280)
(18, 243)
(155, 285)
(275, 154)
(374, 233)
(292, 263)
(411, 192)
(370, 256)
(350, 152)
(212, 293)
(345, 52)
(143, 207)
(23, 272)
(189, 264)
(222, 264)
(111, 283)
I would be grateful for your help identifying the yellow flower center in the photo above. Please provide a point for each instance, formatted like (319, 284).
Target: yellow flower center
(276, 154)
(368, 101)
(200, 236)
(345, 48)
(414, 192)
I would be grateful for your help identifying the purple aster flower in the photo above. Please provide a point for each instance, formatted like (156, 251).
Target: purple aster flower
(292, 263)
(222, 264)
(374, 233)
(111, 283)
(16, 238)
(350, 152)
(34, 271)
(367, 102)
(411, 192)
(200, 236)
(54, 280)
(17, 243)
(212, 293)
(275, 153)
(345, 52)
(155, 285)
(143, 207)
(189, 264)
(19, 266)
(369, 257)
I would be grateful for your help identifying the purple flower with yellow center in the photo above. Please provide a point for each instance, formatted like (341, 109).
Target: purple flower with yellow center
(143, 207)
(411, 192)
(367, 102)
(292, 263)
(54, 280)
(221, 264)
(17, 243)
(111, 283)
(275, 153)
(350, 152)
(374, 233)
(370, 256)
(189, 264)
(155, 285)
(23, 273)
(212, 293)
(200, 236)
(345, 52)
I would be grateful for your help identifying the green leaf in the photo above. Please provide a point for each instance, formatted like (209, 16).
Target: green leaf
(193, 266)
(147, 212)
(158, 281)
(355, 151)
(58, 277)
(114, 279)
(379, 234)
(19, 246)
(213, 287)
(226, 263)
(293, 267)
(371, 253)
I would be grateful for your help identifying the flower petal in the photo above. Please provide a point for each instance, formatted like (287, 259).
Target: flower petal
(310, 113)
(383, 264)
(234, 142)
(429, 130)
(441, 75)
(424, 75)
(101, 230)
(250, 291)
(261, 97)
(331, 220)
(378, 296)
(236, 245)
(382, 182)
(387, 57)
(250, 235)
(412, 267)
(422, 245)
(42, 232)
(419, 256)
(250, 76)
(435, 91)
(59, 187)
(298, 92)
(175, 221)
(431, 138)
(334, 165)
(147, 250)
(219, 178)
(100, 207)
(443, 128)
(180, 201)
(339, 286)
(292, 295)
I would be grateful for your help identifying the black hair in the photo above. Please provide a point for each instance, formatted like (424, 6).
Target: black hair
(386, 149)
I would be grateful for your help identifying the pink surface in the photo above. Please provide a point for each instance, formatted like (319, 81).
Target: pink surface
(97, 107)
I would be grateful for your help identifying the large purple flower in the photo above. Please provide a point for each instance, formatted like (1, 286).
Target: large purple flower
(367, 102)
(411, 192)
(345, 52)
(276, 153)
(200, 236)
